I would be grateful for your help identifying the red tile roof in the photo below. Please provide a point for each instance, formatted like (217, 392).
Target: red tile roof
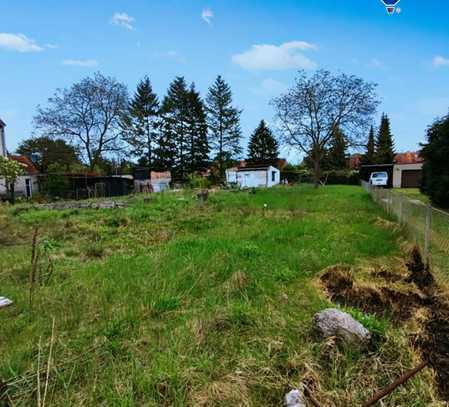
(29, 167)
(409, 157)
(160, 175)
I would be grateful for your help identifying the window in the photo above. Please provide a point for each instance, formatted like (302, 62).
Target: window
(273, 176)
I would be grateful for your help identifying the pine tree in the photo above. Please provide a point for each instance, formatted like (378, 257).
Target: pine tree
(336, 156)
(142, 122)
(384, 143)
(263, 147)
(183, 144)
(223, 122)
(197, 132)
(165, 151)
(174, 145)
(370, 155)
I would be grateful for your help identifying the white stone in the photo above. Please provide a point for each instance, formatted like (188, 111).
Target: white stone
(4, 302)
(333, 322)
(295, 398)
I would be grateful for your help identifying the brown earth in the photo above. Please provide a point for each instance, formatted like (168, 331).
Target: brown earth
(401, 296)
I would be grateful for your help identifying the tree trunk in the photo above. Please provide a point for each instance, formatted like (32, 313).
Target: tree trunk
(12, 193)
(316, 172)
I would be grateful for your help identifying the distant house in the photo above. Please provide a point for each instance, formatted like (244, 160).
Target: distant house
(254, 176)
(407, 170)
(26, 184)
(159, 181)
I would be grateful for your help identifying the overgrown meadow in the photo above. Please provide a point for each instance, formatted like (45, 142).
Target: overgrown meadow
(174, 302)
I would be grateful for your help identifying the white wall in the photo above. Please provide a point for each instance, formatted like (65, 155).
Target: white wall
(397, 172)
(231, 176)
(260, 178)
(20, 187)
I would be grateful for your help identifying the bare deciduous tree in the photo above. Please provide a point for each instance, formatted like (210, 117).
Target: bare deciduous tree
(88, 115)
(316, 106)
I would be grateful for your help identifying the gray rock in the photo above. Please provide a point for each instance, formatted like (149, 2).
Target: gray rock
(295, 398)
(333, 322)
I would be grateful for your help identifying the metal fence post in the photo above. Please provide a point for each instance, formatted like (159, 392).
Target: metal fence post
(427, 232)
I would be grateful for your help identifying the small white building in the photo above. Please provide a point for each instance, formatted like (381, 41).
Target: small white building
(254, 177)
(160, 181)
(27, 183)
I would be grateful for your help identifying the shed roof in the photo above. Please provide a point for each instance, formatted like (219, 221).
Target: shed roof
(28, 165)
(260, 168)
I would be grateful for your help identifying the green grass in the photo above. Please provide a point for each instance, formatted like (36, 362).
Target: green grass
(413, 193)
(175, 302)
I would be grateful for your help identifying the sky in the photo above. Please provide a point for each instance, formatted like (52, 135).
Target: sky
(257, 46)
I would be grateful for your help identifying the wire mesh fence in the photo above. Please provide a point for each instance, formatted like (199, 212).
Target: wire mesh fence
(425, 225)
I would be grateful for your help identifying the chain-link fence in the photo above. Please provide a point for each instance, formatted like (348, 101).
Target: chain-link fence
(427, 226)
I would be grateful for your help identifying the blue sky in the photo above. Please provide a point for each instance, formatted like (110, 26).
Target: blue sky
(256, 45)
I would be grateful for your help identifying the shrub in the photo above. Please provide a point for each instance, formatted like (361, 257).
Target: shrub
(197, 181)
(342, 177)
(435, 169)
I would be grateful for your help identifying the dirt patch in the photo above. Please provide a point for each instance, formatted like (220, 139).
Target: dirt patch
(434, 343)
(418, 293)
(387, 275)
(420, 273)
(342, 289)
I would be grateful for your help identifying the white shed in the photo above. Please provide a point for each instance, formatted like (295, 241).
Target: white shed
(254, 177)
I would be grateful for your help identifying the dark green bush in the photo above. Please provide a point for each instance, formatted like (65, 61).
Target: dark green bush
(436, 169)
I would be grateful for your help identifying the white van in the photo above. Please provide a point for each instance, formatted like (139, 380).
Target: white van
(379, 179)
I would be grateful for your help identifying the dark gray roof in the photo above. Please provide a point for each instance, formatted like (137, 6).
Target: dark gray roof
(263, 168)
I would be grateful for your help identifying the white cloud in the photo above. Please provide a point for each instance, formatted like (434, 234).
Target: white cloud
(272, 57)
(85, 63)
(270, 87)
(376, 64)
(207, 15)
(123, 20)
(19, 43)
(172, 55)
(440, 61)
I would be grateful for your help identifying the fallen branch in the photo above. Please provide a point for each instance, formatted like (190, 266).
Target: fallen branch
(309, 395)
(398, 382)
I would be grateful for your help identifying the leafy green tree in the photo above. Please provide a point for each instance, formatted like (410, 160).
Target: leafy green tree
(370, 155)
(436, 169)
(224, 124)
(44, 151)
(141, 123)
(10, 171)
(337, 154)
(384, 144)
(263, 147)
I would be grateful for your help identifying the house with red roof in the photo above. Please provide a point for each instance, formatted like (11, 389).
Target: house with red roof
(27, 184)
(407, 170)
